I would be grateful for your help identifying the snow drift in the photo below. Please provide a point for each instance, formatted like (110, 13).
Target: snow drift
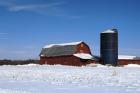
(67, 79)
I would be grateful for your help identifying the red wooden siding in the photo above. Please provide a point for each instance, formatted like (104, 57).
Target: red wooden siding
(126, 62)
(65, 60)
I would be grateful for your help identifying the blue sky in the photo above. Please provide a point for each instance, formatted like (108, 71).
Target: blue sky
(27, 25)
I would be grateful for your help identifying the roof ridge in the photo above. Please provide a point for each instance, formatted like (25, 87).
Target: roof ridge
(63, 44)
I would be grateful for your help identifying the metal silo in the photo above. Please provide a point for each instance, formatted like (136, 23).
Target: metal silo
(109, 47)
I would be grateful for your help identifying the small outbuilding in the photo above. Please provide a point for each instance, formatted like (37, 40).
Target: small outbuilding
(74, 54)
(126, 59)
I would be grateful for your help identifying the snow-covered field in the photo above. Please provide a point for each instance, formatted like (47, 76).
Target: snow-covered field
(67, 79)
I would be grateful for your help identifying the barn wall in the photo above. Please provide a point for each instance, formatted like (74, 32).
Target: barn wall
(42, 60)
(126, 62)
(64, 60)
(83, 48)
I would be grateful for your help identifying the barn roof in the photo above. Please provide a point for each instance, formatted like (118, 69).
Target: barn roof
(59, 49)
(127, 57)
(62, 44)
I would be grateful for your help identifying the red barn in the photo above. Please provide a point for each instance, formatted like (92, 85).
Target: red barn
(74, 54)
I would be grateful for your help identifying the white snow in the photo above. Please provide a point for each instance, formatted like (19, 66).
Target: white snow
(62, 44)
(126, 57)
(132, 65)
(83, 55)
(94, 65)
(41, 55)
(67, 79)
(109, 31)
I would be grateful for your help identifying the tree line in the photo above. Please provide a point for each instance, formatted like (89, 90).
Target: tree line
(18, 62)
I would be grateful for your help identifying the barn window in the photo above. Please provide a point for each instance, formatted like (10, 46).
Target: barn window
(46, 62)
(82, 45)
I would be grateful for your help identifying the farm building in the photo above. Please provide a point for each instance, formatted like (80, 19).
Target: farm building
(74, 54)
(78, 53)
(109, 50)
(126, 59)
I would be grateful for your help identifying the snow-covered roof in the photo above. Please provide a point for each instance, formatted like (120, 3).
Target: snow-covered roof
(62, 44)
(83, 55)
(126, 57)
(110, 31)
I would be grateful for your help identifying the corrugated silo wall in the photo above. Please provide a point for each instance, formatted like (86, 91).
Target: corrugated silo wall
(109, 48)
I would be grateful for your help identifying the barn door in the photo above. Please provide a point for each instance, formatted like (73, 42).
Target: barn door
(46, 62)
